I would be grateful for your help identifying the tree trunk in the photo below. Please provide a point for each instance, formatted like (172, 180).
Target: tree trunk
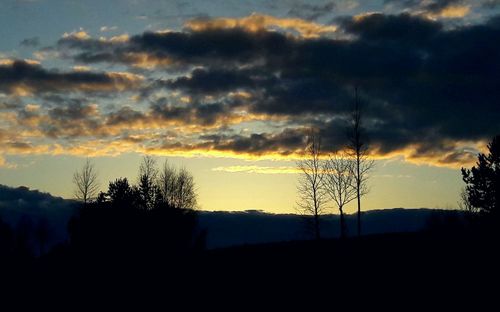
(358, 184)
(316, 227)
(342, 224)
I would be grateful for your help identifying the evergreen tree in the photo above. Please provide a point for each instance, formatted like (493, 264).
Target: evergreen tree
(482, 189)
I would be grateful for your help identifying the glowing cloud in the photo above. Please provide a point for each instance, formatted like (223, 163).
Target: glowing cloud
(454, 11)
(257, 22)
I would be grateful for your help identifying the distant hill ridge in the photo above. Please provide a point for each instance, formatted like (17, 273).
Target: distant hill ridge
(224, 228)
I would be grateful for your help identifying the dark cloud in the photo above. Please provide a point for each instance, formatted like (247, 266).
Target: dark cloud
(75, 111)
(433, 6)
(19, 145)
(9, 104)
(312, 12)
(125, 115)
(418, 79)
(404, 28)
(192, 114)
(207, 81)
(491, 4)
(284, 143)
(69, 120)
(25, 77)
(30, 42)
(404, 3)
(218, 46)
(437, 6)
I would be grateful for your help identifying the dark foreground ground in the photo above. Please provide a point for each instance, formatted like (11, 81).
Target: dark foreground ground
(413, 266)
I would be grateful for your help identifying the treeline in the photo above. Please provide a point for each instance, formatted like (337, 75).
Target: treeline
(155, 188)
(154, 218)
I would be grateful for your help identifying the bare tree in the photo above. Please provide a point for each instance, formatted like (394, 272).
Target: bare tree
(148, 169)
(464, 203)
(312, 195)
(167, 182)
(177, 187)
(185, 190)
(147, 186)
(358, 149)
(339, 183)
(86, 182)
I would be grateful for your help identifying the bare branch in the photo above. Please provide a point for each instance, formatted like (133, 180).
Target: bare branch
(340, 183)
(310, 188)
(358, 149)
(86, 182)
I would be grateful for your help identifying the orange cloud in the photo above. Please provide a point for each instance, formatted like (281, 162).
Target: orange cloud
(454, 155)
(80, 34)
(146, 60)
(257, 22)
(453, 11)
(453, 159)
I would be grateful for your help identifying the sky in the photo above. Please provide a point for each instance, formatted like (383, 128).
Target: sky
(229, 89)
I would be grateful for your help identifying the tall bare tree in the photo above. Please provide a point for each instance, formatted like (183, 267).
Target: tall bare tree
(86, 182)
(177, 187)
(167, 182)
(312, 194)
(147, 186)
(340, 183)
(186, 194)
(358, 149)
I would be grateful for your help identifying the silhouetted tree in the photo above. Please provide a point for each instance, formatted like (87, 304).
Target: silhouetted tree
(177, 187)
(120, 194)
(311, 191)
(185, 190)
(168, 183)
(358, 149)
(86, 182)
(339, 183)
(149, 192)
(465, 205)
(482, 190)
(130, 223)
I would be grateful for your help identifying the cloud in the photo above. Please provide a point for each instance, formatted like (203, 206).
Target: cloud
(253, 89)
(24, 78)
(259, 22)
(3, 162)
(312, 12)
(108, 28)
(490, 4)
(404, 27)
(435, 8)
(206, 81)
(30, 42)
